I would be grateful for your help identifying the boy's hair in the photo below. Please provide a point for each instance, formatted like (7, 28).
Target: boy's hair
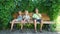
(34, 10)
(26, 10)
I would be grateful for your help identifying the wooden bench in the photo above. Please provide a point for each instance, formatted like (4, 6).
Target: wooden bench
(45, 18)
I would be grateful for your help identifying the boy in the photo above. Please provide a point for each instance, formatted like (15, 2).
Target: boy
(19, 19)
(26, 17)
(37, 18)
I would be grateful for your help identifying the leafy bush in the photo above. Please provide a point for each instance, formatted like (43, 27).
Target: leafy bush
(8, 7)
(5, 12)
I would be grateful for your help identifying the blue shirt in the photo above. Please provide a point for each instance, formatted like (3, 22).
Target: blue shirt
(19, 18)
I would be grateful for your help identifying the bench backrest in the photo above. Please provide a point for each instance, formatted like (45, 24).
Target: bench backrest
(45, 17)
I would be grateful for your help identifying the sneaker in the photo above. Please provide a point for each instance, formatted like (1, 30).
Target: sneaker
(12, 30)
(35, 31)
(21, 31)
(40, 31)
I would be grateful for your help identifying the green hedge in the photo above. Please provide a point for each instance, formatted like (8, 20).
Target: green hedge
(8, 7)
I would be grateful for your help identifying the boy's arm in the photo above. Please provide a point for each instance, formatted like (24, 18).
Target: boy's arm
(39, 15)
(29, 17)
(33, 16)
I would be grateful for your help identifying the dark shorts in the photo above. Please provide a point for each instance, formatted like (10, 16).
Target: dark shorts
(37, 20)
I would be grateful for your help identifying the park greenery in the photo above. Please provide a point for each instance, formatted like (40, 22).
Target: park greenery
(8, 7)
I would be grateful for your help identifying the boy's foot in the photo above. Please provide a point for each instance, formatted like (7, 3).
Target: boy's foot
(41, 31)
(21, 30)
(35, 31)
(12, 30)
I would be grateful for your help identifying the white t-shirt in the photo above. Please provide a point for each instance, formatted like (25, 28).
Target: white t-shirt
(26, 17)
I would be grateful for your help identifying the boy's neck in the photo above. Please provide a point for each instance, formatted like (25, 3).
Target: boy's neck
(19, 15)
(26, 14)
(37, 13)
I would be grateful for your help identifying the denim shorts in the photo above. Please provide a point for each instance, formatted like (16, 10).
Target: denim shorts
(18, 19)
(37, 20)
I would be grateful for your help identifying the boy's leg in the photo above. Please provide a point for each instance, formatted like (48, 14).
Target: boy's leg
(12, 26)
(41, 25)
(21, 26)
(12, 23)
(22, 22)
(35, 25)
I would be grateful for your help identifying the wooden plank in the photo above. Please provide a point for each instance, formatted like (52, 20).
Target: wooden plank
(44, 22)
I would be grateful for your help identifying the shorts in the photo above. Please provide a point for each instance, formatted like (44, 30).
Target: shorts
(27, 20)
(37, 20)
(18, 20)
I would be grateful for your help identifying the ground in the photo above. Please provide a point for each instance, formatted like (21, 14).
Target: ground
(27, 31)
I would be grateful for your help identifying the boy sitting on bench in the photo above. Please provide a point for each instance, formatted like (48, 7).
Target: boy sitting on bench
(37, 18)
(19, 19)
(26, 16)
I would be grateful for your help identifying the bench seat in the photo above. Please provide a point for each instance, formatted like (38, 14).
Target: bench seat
(44, 22)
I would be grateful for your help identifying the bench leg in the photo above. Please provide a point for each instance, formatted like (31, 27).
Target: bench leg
(49, 28)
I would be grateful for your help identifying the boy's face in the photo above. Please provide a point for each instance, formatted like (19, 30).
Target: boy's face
(26, 12)
(19, 12)
(36, 10)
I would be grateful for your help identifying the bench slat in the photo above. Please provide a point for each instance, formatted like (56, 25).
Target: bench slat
(44, 22)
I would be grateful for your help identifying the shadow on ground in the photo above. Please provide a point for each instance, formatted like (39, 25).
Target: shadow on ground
(27, 31)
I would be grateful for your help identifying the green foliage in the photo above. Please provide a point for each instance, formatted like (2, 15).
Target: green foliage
(5, 13)
(8, 7)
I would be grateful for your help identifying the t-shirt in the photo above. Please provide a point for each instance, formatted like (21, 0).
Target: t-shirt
(26, 17)
(37, 16)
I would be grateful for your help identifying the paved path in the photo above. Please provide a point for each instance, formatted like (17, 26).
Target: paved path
(26, 31)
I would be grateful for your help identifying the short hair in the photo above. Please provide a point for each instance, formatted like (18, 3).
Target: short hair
(26, 10)
(34, 10)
